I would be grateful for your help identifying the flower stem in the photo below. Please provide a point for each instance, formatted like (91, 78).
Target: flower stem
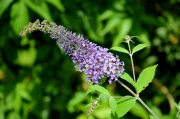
(127, 88)
(132, 63)
(136, 95)
(142, 102)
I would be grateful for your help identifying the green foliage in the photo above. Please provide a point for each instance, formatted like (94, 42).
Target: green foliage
(139, 111)
(124, 104)
(19, 14)
(97, 88)
(3, 5)
(135, 49)
(39, 7)
(111, 116)
(138, 47)
(151, 117)
(113, 104)
(128, 78)
(37, 80)
(57, 4)
(124, 27)
(145, 78)
(120, 49)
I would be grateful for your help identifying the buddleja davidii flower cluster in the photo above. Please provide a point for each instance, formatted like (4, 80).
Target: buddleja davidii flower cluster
(96, 62)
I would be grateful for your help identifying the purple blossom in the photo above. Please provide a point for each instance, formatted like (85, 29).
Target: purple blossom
(96, 62)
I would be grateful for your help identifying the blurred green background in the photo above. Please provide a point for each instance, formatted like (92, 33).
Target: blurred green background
(37, 79)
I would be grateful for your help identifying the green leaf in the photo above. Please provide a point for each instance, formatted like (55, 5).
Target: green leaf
(151, 117)
(107, 14)
(89, 91)
(138, 47)
(88, 105)
(122, 29)
(112, 116)
(24, 94)
(102, 113)
(113, 104)
(145, 78)
(120, 49)
(4, 5)
(124, 105)
(19, 15)
(127, 78)
(144, 38)
(86, 22)
(27, 57)
(111, 24)
(17, 103)
(57, 4)
(102, 95)
(97, 88)
(42, 9)
(177, 116)
(139, 111)
(74, 101)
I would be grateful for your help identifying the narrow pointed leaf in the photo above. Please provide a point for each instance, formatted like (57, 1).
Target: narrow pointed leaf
(113, 104)
(127, 78)
(41, 8)
(107, 14)
(138, 47)
(120, 49)
(124, 105)
(4, 5)
(57, 4)
(111, 24)
(123, 29)
(97, 88)
(19, 15)
(145, 78)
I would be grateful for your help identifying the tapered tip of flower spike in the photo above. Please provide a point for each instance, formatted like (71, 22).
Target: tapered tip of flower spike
(43, 26)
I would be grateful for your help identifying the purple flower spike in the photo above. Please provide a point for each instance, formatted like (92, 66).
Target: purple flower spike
(96, 62)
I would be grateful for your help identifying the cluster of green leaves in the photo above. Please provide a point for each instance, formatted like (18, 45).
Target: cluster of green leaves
(38, 81)
(145, 77)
